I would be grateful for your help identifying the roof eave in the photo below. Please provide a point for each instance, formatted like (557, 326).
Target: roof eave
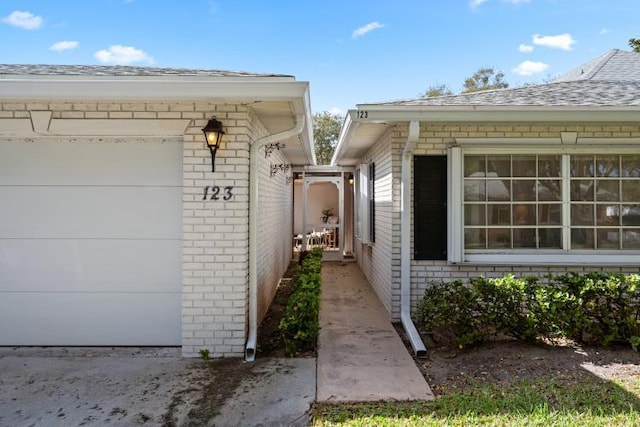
(145, 88)
(384, 113)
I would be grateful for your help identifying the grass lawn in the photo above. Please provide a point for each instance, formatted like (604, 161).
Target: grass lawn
(588, 401)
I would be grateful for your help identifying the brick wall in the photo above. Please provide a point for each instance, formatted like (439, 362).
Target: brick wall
(434, 139)
(381, 261)
(375, 260)
(215, 251)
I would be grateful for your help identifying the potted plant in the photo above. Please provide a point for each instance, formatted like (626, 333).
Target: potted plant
(326, 214)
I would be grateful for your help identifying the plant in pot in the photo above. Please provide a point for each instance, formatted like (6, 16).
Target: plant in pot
(326, 214)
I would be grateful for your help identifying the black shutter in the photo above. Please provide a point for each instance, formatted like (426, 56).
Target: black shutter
(430, 207)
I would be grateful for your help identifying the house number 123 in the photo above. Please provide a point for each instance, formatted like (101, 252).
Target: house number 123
(217, 193)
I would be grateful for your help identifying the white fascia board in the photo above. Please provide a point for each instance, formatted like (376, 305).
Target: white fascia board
(303, 106)
(346, 134)
(383, 114)
(152, 89)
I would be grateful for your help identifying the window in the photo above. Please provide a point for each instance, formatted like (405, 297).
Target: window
(365, 199)
(553, 206)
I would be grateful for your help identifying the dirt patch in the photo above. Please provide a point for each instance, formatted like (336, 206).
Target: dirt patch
(448, 369)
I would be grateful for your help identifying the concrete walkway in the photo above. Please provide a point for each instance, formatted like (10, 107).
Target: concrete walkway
(360, 355)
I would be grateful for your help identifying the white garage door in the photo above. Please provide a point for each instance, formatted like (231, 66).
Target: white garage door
(90, 243)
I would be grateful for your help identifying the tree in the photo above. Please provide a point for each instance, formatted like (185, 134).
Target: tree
(485, 79)
(326, 130)
(437, 90)
(635, 45)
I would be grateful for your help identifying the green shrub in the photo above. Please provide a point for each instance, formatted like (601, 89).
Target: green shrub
(595, 308)
(299, 325)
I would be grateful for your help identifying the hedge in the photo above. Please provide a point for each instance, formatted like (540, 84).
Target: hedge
(299, 325)
(594, 308)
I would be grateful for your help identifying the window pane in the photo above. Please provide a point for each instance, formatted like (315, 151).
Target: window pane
(474, 215)
(550, 214)
(582, 215)
(549, 190)
(631, 215)
(474, 190)
(631, 190)
(549, 166)
(499, 238)
(608, 238)
(608, 166)
(499, 189)
(474, 166)
(499, 214)
(582, 166)
(474, 238)
(498, 166)
(582, 190)
(524, 214)
(524, 238)
(524, 190)
(608, 191)
(582, 238)
(631, 239)
(550, 238)
(524, 166)
(607, 215)
(631, 166)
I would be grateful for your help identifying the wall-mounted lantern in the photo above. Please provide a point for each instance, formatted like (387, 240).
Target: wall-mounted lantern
(213, 134)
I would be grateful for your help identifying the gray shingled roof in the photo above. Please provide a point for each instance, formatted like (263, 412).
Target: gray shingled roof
(615, 65)
(612, 79)
(118, 70)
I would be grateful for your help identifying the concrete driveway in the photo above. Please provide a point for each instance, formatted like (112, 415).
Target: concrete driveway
(142, 386)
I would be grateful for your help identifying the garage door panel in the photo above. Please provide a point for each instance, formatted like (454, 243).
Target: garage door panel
(90, 212)
(90, 163)
(89, 319)
(88, 265)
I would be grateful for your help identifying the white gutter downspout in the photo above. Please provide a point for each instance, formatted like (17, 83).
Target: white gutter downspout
(405, 242)
(250, 348)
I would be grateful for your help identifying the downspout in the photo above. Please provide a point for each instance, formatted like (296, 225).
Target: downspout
(405, 242)
(250, 348)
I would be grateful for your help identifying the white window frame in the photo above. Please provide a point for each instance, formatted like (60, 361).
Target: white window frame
(565, 257)
(363, 204)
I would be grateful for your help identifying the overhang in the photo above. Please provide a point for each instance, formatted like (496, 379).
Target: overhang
(366, 124)
(278, 101)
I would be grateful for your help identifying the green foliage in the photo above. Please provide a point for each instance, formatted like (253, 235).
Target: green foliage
(485, 79)
(205, 355)
(326, 130)
(635, 45)
(299, 325)
(437, 90)
(595, 308)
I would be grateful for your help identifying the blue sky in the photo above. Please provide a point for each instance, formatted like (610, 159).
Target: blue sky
(351, 51)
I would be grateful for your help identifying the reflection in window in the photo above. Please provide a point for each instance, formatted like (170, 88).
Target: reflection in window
(516, 202)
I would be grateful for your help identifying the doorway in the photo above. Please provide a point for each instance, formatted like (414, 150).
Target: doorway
(322, 212)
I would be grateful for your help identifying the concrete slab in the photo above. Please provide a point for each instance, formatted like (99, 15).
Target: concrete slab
(150, 387)
(279, 393)
(360, 355)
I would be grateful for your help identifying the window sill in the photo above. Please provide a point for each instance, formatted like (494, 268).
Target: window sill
(591, 259)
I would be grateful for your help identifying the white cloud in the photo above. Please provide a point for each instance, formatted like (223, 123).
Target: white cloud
(529, 68)
(561, 41)
(64, 45)
(122, 55)
(525, 48)
(516, 1)
(24, 20)
(476, 3)
(604, 31)
(366, 29)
